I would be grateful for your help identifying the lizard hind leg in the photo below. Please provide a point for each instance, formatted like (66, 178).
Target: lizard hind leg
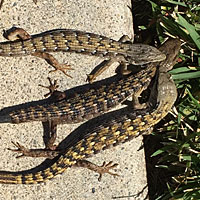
(49, 137)
(50, 134)
(53, 62)
(25, 152)
(104, 168)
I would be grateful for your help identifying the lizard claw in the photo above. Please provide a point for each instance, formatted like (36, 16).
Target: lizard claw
(105, 168)
(63, 68)
(53, 92)
(47, 153)
(53, 86)
(20, 149)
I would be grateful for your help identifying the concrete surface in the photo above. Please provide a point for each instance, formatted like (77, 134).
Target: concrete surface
(19, 81)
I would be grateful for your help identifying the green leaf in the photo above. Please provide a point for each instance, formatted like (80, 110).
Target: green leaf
(157, 152)
(162, 166)
(186, 157)
(173, 28)
(186, 145)
(177, 3)
(180, 70)
(191, 30)
(186, 76)
(193, 99)
(154, 6)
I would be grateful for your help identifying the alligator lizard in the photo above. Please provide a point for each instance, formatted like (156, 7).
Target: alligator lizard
(120, 128)
(67, 40)
(90, 103)
(86, 104)
(83, 105)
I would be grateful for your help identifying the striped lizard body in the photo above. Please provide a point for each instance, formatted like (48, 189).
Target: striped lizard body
(68, 40)
(119, 129)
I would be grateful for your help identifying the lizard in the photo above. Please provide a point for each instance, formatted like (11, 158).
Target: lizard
(85, 104)
(110, 132)
(68, 40)
(63, 107)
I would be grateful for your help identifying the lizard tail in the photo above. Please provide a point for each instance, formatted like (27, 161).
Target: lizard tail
(5, 118)
(27, 177)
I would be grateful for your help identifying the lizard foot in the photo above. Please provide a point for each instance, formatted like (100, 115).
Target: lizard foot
(104, 168)
(16, 33)
(90, 78)
(47, 153)
(50, 59)
(53, 86)
(63, 68)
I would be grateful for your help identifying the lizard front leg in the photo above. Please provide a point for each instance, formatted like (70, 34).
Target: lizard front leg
(50, 126)
(50, 59)
(106, 64)
(50, 134)
(53, 92)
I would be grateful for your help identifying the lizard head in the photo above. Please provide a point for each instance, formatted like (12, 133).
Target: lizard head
(166, 88)
(170, 48)
(139, 54)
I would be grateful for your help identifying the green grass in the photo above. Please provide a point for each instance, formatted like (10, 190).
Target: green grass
(179, 153)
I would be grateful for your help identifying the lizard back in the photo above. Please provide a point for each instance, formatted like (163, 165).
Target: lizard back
(87, 104)
(68, 40)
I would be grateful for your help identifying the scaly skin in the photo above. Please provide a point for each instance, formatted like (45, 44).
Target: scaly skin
(119, 129)
(68, 40)
(87, 104)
